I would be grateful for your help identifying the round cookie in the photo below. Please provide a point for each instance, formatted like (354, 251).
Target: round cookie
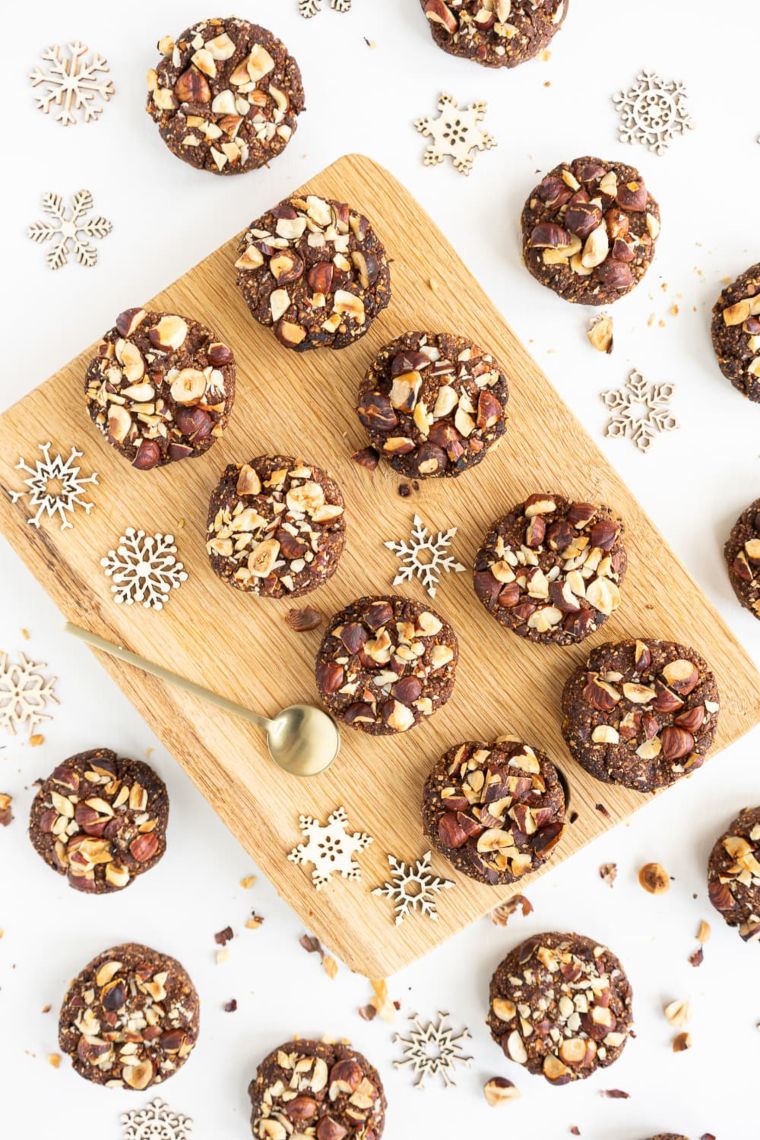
(733, 874)
(550, 569)
(315, 271)
(640, 713)
(742, 551)
(736, 332)
(386, 663)
(317, 1089)
(433, 404)
(496, 811)
(589, 230)
(560, 1004)
(496, 33)
(130, 1018)
(226, 95)
(275, 526)
(100, 820)
(161, 387)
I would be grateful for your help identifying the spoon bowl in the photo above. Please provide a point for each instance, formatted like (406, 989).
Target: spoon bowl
(303, 740)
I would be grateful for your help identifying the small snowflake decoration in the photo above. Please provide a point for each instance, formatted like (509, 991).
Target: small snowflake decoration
(74, 84)
(144, 569)
(456, 133)
(25, 693)
(432, 1050)
(640, 410)
(155, 1122)
(330, 847)
(425, 557)
(309, 8)
(69, 229)
(56, 487)
(652, 112)
(413, 887)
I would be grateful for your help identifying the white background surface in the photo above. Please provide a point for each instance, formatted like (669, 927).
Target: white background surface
(694, 482)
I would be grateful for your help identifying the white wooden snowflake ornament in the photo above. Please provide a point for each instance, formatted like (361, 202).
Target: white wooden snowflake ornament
(155, 1121)
(69, 229)
(640, 411)
(55, 487)
(144, 569)
(25, 693)
(432, 1050)
(330, 847)
(74, 84)
(652, 112)
(455, 134)
(413, 886)
(424, 556)
(309, 8)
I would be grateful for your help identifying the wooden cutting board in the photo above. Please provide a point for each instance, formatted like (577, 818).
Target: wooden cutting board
(242, 646)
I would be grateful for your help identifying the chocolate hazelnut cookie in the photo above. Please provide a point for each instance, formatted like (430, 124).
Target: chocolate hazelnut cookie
(130, 1018)
(315, 271)
(317, 1089)
(100, 820)
(226, 95)
(161, 387)
(386, 663)
(733, 874)
(640, 713)
(433, 404)
(561, 1005)
(550, 569)
(589, 230)
(742, 552)
(496, 33)
(736, 332)
(275, 526)
(496, 811)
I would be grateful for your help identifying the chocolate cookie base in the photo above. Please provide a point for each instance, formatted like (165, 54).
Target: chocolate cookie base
(589, 230)
(733, 874)
(385, 664)
(525, 29)
(575, 1030)
(433, 404)
(736, 333)
(130, 1018)
(495, 811)
(641, 713)
(100, 820)
(318, 1089)
(742, 553)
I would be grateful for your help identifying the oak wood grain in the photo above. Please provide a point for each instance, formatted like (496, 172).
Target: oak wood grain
(242, 647)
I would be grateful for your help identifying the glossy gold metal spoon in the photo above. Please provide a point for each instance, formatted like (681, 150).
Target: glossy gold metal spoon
(302, 739)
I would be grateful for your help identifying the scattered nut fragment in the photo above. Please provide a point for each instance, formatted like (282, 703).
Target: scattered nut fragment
(222, 937)
(697, 957)
(681, 1042)
(608, 873)
(305, 619)
(254, 922)
(599, 333)
(368, 457)
(614, 1094)
(678, 1012)
(501, 914)
(36, 739)
(247, 882)
(704, 931)
(499, 1090)
(6, 815)
(653, 878)
(330, 966)
(380, 1003)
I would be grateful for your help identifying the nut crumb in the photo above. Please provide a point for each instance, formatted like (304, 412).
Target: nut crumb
(330, 966)
(380, 1003)
(304, 619)
(222, 937)
(368, 457)
(599, 333)
(247, 882)
(608, 873)
(55, 1060)
(255, 921)
(697, 957)
(681, 1042)
(677, 1012)
(36, 739)
(230, 1006)
(653, 878)
(433, 284)
(704, 931)
(46, 1008)
(614, 1094)
(499, 1090)
(501, 914)
(25, 633)
(6, 815)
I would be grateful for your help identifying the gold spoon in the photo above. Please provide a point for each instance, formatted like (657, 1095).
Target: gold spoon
(302, 739)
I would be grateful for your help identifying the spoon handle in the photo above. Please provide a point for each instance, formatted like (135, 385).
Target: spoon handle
(224, 703)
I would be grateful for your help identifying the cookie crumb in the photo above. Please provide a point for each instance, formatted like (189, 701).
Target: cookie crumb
(222, 937)
(608, 873)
